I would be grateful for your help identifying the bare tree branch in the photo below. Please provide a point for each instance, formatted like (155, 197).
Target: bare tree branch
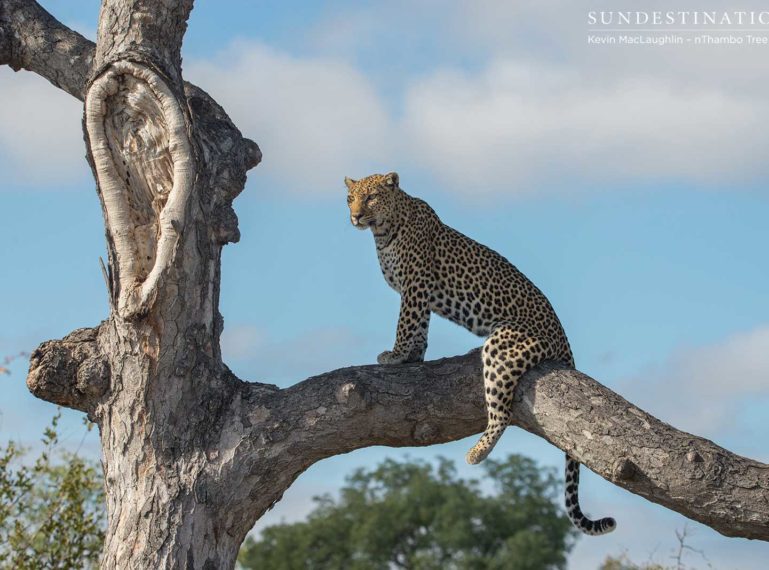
(32, 39)
(439, 401)
(274, 435)
(70, 372)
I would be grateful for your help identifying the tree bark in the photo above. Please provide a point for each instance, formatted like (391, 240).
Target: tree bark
(192, 455)
(32, 39)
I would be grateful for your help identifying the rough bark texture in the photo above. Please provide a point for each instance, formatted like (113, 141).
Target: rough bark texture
(440, 401)
(150, 28)
(30, 38)
(192, 455)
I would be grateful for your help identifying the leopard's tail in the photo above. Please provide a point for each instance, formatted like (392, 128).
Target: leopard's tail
(595, 528)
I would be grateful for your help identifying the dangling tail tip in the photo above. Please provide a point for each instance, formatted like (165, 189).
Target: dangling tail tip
(605, 526)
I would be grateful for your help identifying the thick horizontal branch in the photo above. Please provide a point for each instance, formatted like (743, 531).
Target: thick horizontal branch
(71, 372)
(440, 401)
(32, 39)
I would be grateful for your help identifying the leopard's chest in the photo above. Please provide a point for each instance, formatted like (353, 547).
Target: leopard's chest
(389, 263)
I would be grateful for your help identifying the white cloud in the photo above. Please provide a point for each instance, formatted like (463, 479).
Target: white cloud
(556, 31)
(538, 108)
(707, 389)
(41, 138)
(514, 125)
(349, 32)
(315, 119)
(532, 107)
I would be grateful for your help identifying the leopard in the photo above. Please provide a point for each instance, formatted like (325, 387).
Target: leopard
(436, 269)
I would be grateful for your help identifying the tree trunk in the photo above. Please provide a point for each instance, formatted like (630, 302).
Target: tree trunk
(192, 455)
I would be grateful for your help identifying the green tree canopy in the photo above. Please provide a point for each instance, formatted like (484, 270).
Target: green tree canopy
(51, 509)
(414, 515)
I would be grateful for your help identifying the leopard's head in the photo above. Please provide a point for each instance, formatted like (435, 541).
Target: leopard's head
(372, 200)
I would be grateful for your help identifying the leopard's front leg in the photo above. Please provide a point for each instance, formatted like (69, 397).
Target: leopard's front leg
(413, 322)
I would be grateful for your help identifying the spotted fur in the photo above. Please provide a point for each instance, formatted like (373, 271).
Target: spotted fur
(438, 270)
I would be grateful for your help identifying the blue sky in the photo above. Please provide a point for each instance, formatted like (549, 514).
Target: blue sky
(628, 183)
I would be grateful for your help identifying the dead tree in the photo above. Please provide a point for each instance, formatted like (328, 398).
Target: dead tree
(192, 455)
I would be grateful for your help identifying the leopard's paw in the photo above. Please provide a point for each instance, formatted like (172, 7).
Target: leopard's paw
(390, 357)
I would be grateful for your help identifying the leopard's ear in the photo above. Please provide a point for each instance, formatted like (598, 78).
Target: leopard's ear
(349, 182)
(391, 180)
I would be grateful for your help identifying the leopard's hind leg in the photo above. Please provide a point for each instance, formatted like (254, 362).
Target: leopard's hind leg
(507, 354)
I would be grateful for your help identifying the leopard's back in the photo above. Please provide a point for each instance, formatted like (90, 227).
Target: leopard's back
(487, 290)
(472, 285)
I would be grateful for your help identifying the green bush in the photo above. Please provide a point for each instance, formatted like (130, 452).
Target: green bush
(423, 517)
(51, 509)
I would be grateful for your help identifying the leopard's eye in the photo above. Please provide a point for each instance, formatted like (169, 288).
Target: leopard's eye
(370, 199)
(349, 199)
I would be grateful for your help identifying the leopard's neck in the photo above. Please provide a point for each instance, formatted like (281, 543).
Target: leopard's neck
(385, 235)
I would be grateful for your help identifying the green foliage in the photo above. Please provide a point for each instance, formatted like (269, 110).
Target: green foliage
(51, 511)
(416, 516)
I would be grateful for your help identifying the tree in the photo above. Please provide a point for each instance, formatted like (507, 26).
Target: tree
(192, 455)
(410, 515)
(52, 510)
